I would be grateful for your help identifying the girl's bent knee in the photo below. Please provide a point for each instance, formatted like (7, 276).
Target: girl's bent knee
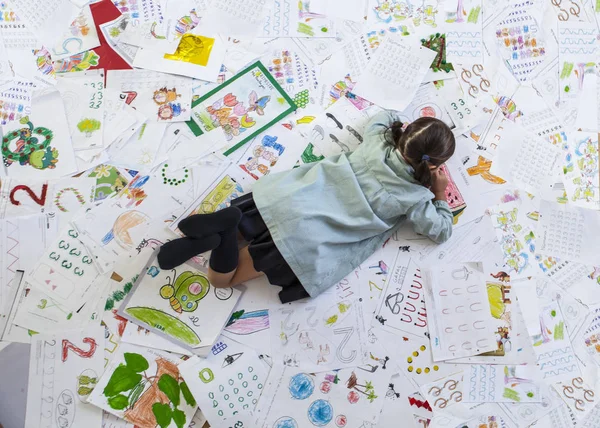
(219, 280)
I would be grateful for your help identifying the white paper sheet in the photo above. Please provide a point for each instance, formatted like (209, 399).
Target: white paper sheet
(193, 312)
(171, 60)
(286, 18)
(401, 309)
(154, 377)
(239, 17)
(464, 31)
(45, 127)
(63, 371)
(526, 161)
(160, 97)
(394, 73)
(46, 19)
(461, 324)
(564, 233)
(502, 383)
(319, 335)
(227, 384)
(81, 37)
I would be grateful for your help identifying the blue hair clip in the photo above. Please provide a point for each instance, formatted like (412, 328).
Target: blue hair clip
(425, 158)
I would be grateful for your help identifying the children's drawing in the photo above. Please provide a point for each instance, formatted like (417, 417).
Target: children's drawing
(30, 146)
(437, 42)
(513, 241)
(89, 126)
(455, 198)
(245, 323)
(295, 398)
(287, 18)
(228, 383)
(555, 355)
(333, 341)
(242, 107)
(263, 158)
(181, 307)
(145, 388)
(164, 97)
(167, 107)
(503, 383)
(109, 181)
(185, 291)
(582, 181)
(64, 369)
(220, 197)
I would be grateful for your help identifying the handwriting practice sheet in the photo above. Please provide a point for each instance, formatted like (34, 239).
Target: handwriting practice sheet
(333, 340)
(460, 301)
(389, 84)
(64, 370)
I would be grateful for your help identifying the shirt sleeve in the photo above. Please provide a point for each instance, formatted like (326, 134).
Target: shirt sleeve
(380, 122)
(432, 219)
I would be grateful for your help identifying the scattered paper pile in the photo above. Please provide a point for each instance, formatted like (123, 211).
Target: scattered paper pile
(118, 118)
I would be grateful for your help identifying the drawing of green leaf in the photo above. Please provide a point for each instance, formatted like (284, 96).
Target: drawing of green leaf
(86, 380)
(187, 395)
(331, 320)
(136, 362)
(179, 418)
(135, 393)
(118, 402)
(343, 307)
(122, 379)
(163, 414)
(170, 387)
(84, 390)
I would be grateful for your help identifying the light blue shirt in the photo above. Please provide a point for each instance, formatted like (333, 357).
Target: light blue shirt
(328, 217)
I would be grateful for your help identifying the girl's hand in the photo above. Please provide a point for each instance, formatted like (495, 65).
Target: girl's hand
(439, 182)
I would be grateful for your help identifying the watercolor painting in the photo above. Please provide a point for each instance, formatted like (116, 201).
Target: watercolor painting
(242, 107)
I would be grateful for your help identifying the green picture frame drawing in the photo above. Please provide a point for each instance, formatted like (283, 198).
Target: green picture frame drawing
(243, 107)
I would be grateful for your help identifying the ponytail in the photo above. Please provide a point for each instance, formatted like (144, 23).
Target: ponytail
(423, 173)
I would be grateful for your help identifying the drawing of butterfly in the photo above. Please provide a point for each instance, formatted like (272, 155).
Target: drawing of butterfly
(186, 291)
(258, 104)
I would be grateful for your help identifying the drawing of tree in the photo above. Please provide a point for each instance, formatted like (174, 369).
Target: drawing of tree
(367, 389)
(148, 400)
(88, 126)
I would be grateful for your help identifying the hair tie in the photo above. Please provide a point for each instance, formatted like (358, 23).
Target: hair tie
(425, 158)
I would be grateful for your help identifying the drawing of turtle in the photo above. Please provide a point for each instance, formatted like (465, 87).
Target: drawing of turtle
(185, 291)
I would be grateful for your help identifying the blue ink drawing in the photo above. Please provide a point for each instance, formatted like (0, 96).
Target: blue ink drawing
(301, 386)
(320, 413)
(285, 422)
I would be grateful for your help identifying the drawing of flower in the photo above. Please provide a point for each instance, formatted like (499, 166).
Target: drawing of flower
(102, 171)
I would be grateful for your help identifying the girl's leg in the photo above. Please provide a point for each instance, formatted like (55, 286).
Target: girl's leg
(244, 272)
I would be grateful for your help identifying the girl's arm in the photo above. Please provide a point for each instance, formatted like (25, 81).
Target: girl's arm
(381, 121)
(432, 219)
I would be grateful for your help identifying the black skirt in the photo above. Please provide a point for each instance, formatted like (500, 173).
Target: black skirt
(264, 253)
